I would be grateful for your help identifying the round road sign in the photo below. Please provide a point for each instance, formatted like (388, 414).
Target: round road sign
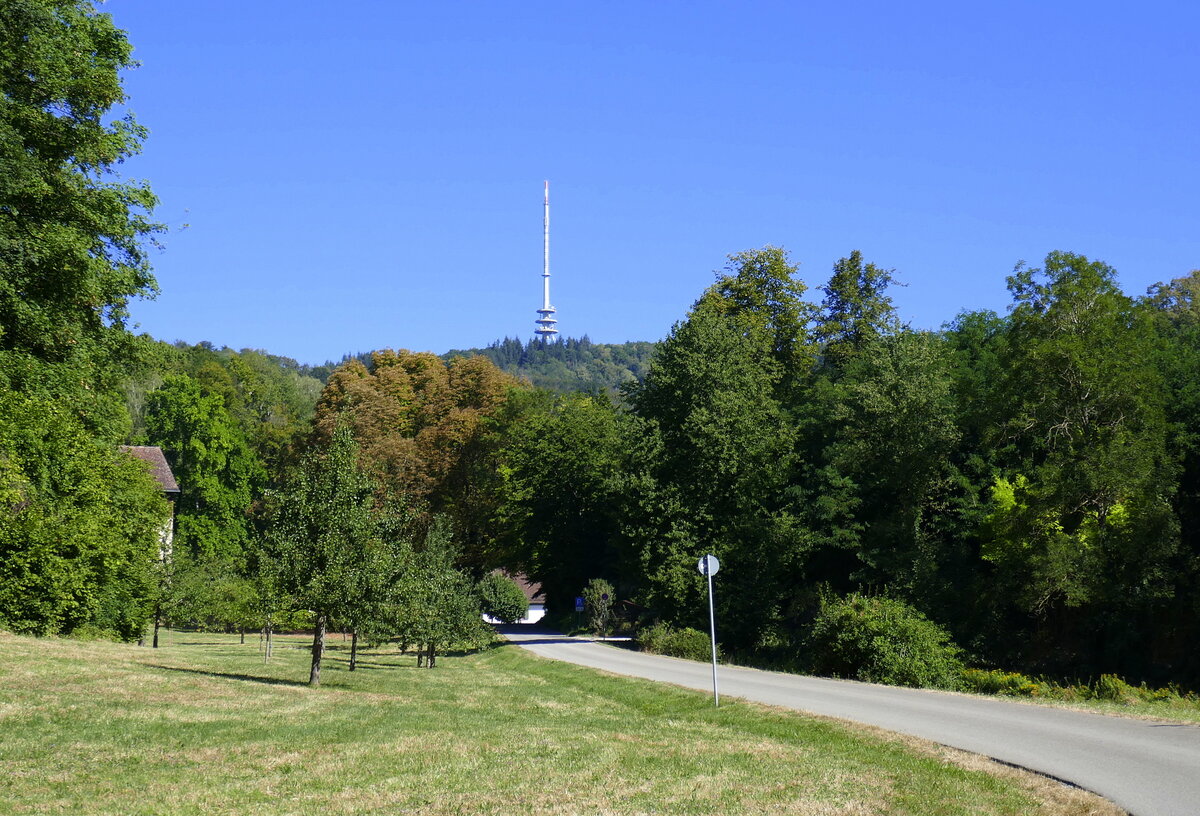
(708, 565)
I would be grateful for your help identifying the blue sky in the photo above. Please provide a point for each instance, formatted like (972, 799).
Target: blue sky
(364, 175)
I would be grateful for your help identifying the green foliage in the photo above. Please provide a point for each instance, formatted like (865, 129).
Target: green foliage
(71, 243)
(690, 644)
(1009, 684)
(1108, 688)
(320, 525)
(211, 593)
(714, 448)
(882, 640)
(436, 606)
(856, 311)
(760, 293)
(80, 526)
(560, 467)
(268, 399)
(598, 599)
(502, 599)
(568, 365)
(217, 472)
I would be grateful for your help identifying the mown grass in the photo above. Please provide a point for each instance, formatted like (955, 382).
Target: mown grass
(202, 726)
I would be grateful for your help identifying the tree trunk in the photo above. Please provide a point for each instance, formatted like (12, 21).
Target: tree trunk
(242, 632)
(432, 657)
(318, 651)
(157, 619)
(420, 655)
(267, 650)
(354, 649)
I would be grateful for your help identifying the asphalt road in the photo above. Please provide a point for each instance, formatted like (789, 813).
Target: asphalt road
(1148, 768)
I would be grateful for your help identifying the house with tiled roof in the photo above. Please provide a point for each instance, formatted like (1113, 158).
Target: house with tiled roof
(533, 596)
(157, 464)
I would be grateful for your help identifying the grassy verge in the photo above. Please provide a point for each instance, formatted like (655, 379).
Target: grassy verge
(202, 726)
(1108, 695)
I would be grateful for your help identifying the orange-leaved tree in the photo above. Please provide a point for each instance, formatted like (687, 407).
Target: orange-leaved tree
(428, 430)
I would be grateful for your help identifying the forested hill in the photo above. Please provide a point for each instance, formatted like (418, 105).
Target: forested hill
(568, 364)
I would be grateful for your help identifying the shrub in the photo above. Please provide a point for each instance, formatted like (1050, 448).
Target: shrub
(1111, 687)
(501, 599)
(690, 644)
(1009, 684)
(597, 605)
(882, 640)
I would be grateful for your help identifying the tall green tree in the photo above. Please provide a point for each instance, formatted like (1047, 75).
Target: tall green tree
(1080, 527)
(322, 533)
(1174, 307)
(80, 523)
(561, 466)
(72, 239)
(856, 309)
(898, 426)
(218, 474)
(716, 447)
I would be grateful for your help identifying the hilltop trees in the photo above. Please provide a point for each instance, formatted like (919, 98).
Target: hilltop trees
(567, 365)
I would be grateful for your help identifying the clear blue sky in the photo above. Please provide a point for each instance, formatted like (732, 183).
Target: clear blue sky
(364, 175)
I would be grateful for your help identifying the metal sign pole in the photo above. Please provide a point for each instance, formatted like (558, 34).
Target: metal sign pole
(712, 626)
(708, 567)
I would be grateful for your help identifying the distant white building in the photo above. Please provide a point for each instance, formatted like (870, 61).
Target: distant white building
(533, 594)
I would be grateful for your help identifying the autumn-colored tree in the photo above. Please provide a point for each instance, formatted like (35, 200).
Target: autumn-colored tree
(427, 429)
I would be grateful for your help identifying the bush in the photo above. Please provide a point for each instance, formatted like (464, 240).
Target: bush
(597, 605)
(1109, 687)
(1008, 684)
(882, 640)
(501, 599)
(690, 644)
(1113, 688)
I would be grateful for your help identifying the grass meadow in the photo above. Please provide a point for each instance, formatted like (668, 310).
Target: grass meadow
(203, 726)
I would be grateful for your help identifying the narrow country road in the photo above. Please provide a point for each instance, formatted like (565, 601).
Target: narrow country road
(1148, 768)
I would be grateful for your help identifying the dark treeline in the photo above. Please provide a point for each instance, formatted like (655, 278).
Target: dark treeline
(1029, 481)
(568, 364)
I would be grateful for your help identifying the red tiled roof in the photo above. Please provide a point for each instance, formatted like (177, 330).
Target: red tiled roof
(530, 589)
(158, 465)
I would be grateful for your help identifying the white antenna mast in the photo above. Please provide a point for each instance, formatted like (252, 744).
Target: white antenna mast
(545, 323)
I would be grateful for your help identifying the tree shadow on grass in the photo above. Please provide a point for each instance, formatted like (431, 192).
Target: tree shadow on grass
(250, 678)
(186, 643)
(344, 662)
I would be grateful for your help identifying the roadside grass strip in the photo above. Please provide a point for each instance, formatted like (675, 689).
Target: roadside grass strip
(203, 726)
